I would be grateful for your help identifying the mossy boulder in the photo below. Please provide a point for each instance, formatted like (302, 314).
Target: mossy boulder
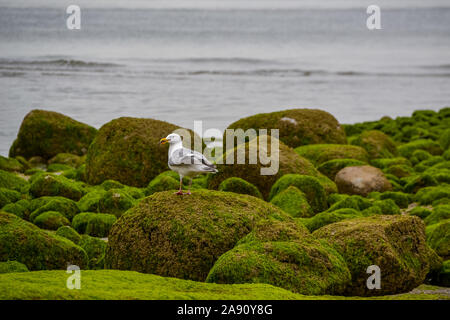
(12, 181)
(310, 186)
(67, 207)
(162, 183)
(182, 237)
(320, 153)
(406, 150)
(288, 162)
(430, 195)
(51, 220)
(95, 249)
(304, 266)
(68, 233)
(46, 133)
(297, 127)
(36, 248)
(115, 201)
(352, 202)
(444, 139)
(8, 196)
(19, 208)
(327, 217)
(94, 224)
(361, 180)
(332, 167)
(238, 185)
(68, 159)
(11, 164)
(294, 202)
(54, 185)
(401, 199)
(442, 276)
(441, 212)
(420, 212)
(438, 238)
(399, 170)
(396, 244)
(377, 144)
(384, 163)
(417, 182)
(12, 266)
(127, 150)
(57, 167)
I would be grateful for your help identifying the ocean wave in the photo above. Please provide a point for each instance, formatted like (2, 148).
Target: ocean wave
(56, 62)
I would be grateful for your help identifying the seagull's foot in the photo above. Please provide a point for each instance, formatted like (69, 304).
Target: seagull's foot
(180, 193)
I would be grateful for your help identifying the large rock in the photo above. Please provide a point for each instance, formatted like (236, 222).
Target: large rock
(297, 127)
(377, 144)
(361, 180)
(320, 153)
(47, 133)
(288, 162)
(127, 150)
(396, 244)
(183, 236)
(37, 249)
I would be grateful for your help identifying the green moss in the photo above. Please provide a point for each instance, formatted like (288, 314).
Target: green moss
(430, 194)
(10, 164)
(442, 277)
(446, 155)
(115, 201)
(111, 184)
(68, 233)
(53, 185)
(68, 159)
(396, 244)
(19, 208)
(12, 266)
(438, 238)
(11, 181)
(426, 164)
(94, 224)
(324, 218)
(401, 199)
(127, 150)
(351, 202)
(288, 162)
(441, 212)
(8, 196)
(90, 202)
(46, 133)
(406, 150)
(420, 155)
(296, 127)
(238, 185)
(95, 249)
(37, 249)
(332, 167)
(399, 170)
(420, 212)
(57, 167)
(387, 206)
(310, 186)
(188, 233)
(68, 208)
(162, 183)
(320, 153)
(417, 182)
(294, 202)
(304, 266)
(51, 220)
(384, 163)
(444, 139)
(377, 144)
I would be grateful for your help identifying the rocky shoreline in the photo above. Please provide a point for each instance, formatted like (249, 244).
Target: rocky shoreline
(345, 197)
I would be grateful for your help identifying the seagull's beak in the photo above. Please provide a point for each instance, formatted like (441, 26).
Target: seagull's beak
(163, 141)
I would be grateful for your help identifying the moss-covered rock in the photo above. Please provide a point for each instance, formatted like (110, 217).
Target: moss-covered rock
(162, 183)
(68, 159)
(20, 208)
(444, 139)
(46, 133)
(288, 162)
(8, 196)
(352, 202)
(94, 224)
(396, 244)
(10, 180)
(115, 201)
(68, 208)
(377, 144)
(401, 199)
(90, 202)
(310, 186)
(320, 153)
(420, 212)
(68, 233)
(399, 170)
(182, 237)
(441, 212)
(111, 184)
(57, 167)
(296, 127)
(305, 266)
(429, 195)
(95, 249)
(54, 185)
(238, 185)
(37, 249)
(406, 150)
(332, 167)
(127, 150)
(51, 220)
(294, 202)
(327, 217)
(361, 180)
(384, 163)
(12, 266)
(10, 164)
(438, 238)
(442, 276)
(417, 182)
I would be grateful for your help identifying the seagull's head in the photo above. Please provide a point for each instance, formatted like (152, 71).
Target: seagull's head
(171, 139)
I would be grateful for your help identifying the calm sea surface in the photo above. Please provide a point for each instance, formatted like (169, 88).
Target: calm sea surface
(218, 61)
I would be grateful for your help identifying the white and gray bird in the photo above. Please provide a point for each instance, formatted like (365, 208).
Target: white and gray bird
(186, 162)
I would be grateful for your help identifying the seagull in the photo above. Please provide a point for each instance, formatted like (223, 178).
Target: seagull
(186, 162)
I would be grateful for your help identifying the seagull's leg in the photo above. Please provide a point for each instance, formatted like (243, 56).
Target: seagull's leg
(180, 191)
(189, 190)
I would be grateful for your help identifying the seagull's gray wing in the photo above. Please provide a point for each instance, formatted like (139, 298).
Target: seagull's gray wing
(185, 157)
